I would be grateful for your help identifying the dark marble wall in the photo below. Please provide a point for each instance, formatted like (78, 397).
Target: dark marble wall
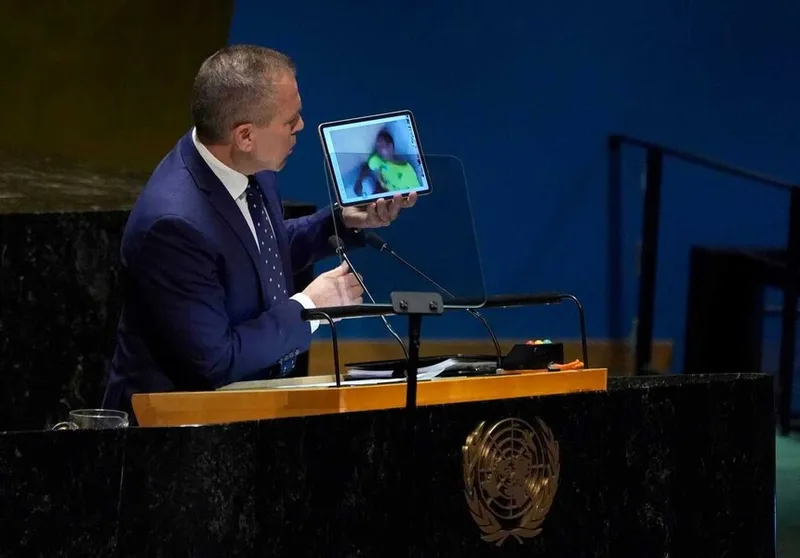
(60, 301)
(109, 80)
(678, 466)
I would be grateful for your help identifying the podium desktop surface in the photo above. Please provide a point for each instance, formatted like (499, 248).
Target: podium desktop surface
(317, 395)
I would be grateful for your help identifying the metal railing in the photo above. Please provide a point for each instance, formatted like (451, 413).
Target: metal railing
(655, 155)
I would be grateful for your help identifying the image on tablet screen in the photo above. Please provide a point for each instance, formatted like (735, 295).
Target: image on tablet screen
(373, 158)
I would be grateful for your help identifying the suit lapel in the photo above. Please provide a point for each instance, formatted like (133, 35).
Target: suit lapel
(222, 201)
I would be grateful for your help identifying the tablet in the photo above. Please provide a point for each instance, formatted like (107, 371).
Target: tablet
(374, 157)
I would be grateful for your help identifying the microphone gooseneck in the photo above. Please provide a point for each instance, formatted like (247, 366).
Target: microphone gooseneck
(373, 240)
(336, 243)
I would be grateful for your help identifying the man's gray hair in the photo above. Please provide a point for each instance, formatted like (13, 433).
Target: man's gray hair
(236, 85)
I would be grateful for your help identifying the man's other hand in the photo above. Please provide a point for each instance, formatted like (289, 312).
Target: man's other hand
(337, 287)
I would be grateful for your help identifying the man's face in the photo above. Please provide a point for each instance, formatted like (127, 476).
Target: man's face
(268, 147)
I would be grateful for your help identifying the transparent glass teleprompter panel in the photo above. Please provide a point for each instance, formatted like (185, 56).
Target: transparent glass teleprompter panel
(436, 235)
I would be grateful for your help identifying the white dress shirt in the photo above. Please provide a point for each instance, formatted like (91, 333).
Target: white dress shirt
(236, 184)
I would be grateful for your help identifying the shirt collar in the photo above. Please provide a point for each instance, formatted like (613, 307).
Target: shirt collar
(234, 181)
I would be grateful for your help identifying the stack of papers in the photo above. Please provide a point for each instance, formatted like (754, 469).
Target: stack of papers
(449, 365)
(372, 373)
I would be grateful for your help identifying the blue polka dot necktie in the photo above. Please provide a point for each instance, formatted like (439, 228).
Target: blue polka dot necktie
(270, 260)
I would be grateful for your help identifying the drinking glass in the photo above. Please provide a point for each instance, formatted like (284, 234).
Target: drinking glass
(94, 419)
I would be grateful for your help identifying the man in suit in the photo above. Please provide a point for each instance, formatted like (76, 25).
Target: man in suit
(206, 255)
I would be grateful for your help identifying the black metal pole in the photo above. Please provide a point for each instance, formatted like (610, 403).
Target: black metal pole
(582, 319)
(335, 341)
(648, 260)
(414, 330)
(614, 247)
(789, 315)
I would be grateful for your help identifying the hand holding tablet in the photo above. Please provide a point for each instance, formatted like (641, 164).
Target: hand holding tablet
(377, 214)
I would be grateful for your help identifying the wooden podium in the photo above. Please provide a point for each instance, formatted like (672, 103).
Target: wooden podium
(641, 468)
(293, 397)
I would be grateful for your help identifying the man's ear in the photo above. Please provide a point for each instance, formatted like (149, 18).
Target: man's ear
(243, 137)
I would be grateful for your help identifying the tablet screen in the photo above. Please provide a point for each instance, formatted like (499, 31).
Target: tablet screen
(374, 157)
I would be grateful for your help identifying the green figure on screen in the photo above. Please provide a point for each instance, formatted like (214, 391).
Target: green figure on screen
(387, 172)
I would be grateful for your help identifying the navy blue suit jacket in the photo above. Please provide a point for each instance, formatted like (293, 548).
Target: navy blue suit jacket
(197, 311)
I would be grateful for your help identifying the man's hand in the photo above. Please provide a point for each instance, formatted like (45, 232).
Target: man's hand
(337, 287)
(377, 214)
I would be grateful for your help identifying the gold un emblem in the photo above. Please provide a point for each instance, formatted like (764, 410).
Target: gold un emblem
(510, 478)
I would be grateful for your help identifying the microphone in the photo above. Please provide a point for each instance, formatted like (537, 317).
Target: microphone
(373, 240)
(336, 243)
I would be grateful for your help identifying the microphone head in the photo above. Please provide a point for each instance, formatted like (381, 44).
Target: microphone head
(335, 242)
(375, 241)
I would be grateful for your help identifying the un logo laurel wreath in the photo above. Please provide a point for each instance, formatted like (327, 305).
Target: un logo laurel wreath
(511, 475)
